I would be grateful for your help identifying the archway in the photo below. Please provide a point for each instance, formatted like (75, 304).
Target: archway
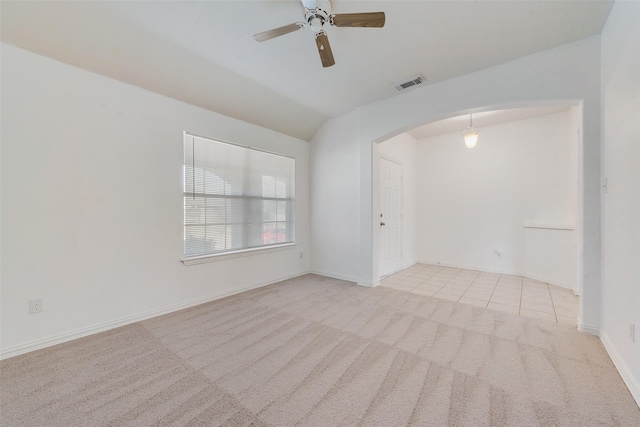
(531, 219)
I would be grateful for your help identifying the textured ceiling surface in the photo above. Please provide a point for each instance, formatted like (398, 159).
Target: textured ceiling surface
(204, 52)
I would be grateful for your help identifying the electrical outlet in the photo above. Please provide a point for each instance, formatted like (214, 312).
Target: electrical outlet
(632, 332)
(301, 255)
(497, 252)
(35, 306)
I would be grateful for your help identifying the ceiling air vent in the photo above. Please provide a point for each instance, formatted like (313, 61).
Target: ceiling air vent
(409, 83)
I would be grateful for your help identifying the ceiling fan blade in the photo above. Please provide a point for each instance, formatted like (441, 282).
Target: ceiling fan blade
(276, 32)
(370, 19)
(324, 49)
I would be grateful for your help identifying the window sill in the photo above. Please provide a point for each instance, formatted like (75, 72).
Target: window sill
(549, 226)
(236, 254)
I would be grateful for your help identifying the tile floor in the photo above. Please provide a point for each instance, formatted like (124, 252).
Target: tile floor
(511, 294)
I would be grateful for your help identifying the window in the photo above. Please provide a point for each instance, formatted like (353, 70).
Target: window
(235, 198)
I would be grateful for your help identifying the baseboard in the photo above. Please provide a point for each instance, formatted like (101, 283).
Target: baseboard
(335, 275)
(470, 267)
(343, 277)
(550, 280)
(540, 278)
(589, 329)
(366, 284)
(19, 349)
(632, 383)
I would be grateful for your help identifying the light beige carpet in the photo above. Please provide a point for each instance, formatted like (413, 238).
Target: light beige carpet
(321, 352)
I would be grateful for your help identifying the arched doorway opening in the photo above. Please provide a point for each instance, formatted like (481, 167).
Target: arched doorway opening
(507, 207)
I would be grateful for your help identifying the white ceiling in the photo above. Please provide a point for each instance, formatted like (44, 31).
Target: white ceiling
(203, 52)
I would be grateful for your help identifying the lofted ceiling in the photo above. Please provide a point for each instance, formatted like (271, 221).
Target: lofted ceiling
(204, 53)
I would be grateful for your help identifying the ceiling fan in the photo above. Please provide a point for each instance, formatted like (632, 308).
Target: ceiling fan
(317, 13)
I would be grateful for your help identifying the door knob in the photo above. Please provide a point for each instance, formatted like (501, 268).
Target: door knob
(382, 224)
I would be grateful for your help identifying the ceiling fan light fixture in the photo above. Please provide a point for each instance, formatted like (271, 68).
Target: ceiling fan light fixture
(470, 134)
(316, 24)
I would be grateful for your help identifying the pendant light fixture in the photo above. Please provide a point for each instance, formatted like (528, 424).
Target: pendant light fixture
(470, 134)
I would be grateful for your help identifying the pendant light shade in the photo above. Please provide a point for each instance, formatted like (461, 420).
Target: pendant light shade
(470, 134)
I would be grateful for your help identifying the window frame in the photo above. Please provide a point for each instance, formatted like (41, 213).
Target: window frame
(244, 251)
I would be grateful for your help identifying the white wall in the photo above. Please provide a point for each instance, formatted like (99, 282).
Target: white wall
(621, 219)
(403, 149)
(569, 73)
(473, 202)
(334, 197)
(92, 203)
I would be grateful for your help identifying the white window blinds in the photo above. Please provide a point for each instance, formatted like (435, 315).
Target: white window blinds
(235, 198)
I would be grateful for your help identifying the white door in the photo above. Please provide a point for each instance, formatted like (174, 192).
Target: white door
(390, 217)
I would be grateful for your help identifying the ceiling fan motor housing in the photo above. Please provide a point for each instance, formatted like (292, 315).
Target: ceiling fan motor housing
(317, 12)
(317, 4)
